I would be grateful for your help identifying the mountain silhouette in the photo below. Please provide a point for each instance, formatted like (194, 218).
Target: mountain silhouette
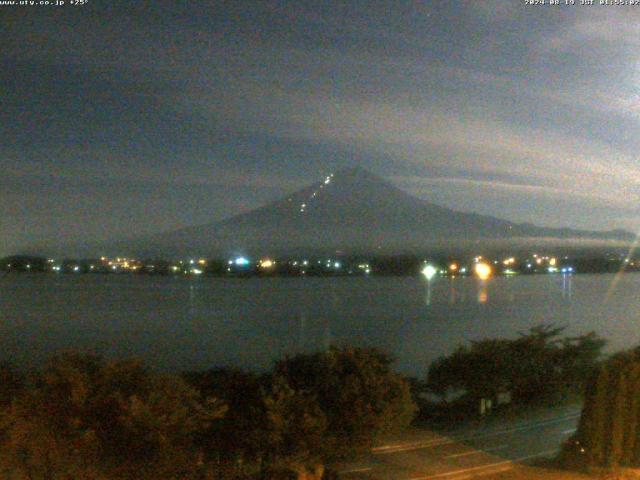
(354, 210)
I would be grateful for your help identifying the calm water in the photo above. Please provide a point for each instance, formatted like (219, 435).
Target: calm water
(179, 323)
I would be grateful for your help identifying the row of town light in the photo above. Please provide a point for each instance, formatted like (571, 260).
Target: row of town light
(481, 269)
(484, 269)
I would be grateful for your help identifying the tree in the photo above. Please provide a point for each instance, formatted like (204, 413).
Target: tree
(239, 437)
(83, 417)
(355, 388)
(537, 365)
(296, 430)
(11, 382)
(608, 433)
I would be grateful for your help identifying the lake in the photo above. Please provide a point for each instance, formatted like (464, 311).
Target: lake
(176, 323)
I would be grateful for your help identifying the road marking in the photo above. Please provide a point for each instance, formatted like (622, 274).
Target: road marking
(388, 449)
(356, 470)
(465, 454)
(503, 466)
(491, 471)
(535, 455)
(475, 452)
(564, 432)
(464, 470)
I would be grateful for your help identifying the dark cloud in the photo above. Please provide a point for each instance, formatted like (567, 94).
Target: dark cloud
(134, 117)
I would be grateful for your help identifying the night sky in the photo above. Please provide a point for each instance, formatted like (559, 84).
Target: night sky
(126, 118)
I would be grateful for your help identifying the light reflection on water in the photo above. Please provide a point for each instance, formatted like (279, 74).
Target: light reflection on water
(177, 323)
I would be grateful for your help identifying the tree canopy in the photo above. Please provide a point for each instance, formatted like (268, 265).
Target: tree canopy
(356, 389)
(83, 417)
(608, 433)
(538, 364)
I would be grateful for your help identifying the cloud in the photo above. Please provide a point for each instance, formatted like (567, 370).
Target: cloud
(488, 97)
(597, 27)
(497, 146)
(420, 184)
(525, 203)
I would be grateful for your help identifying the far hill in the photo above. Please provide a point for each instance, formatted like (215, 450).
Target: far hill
(355, 210)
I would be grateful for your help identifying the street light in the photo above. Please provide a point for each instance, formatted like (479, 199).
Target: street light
(429, 271)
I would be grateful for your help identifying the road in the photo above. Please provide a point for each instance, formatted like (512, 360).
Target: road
(496, 445)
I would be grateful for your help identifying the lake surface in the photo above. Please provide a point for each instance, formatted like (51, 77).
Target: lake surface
(178, 323)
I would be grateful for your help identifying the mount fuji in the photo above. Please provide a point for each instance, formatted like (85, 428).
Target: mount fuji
(355, 210)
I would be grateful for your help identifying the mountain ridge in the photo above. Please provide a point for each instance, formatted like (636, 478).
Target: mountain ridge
(351, 210)
(354, 209)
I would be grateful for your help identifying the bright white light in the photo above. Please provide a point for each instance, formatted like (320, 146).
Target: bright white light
(336, 264)
(76, 268)
(429, 271)
(196, 271)
(367, 270)
(305, 262)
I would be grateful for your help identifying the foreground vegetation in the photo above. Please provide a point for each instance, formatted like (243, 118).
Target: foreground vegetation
(608, 435)
(83, 417)
(539, 366)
